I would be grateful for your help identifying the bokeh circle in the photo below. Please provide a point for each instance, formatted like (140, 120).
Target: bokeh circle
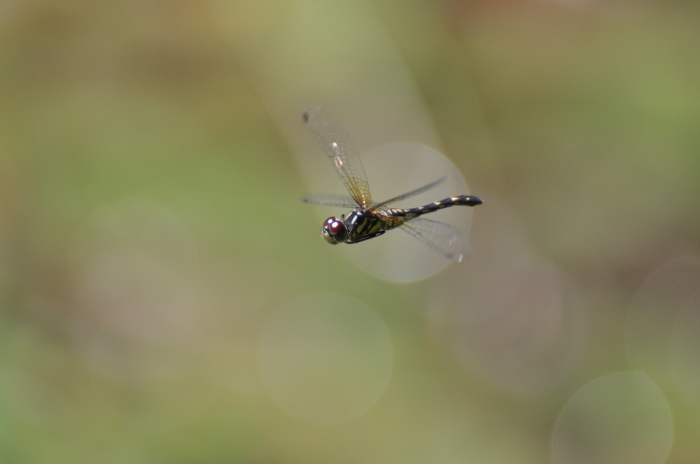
(395, 169)
(621, 418)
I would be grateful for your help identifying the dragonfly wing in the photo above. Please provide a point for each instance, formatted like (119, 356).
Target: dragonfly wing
(412, 193)
(336, 141)
(444, 238)
(340, 201)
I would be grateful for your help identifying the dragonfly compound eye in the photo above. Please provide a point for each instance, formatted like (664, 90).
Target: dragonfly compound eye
(334, 231)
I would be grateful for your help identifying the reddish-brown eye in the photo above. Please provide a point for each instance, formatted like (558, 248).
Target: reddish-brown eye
(336, 227)
(334, 231)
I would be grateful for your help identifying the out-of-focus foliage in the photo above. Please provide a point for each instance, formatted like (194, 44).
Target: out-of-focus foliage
(165, 297)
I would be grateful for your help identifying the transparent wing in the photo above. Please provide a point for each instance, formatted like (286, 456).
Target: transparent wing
(340, 201)
(410, 194)
(335, 140)
(444, 238)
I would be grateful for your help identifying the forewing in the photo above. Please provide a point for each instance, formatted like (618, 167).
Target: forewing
(335, 140)
(340, 201)
(444, 238)
(410, 194)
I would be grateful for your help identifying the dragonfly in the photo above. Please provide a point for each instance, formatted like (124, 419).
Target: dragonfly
(369, 220)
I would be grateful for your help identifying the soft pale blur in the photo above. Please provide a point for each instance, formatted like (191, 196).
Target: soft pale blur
(166, 297)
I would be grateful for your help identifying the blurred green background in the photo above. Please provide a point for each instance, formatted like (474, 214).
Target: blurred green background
(166, 298)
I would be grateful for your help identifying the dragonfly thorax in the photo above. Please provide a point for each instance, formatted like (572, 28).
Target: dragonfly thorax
(362, 225)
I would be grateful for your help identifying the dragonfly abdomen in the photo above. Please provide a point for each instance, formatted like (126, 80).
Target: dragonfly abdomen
(465, 200)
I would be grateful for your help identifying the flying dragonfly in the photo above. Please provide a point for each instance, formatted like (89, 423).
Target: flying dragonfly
(369, 220)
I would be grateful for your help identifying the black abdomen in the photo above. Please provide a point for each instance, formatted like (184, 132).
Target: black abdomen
(463, 200)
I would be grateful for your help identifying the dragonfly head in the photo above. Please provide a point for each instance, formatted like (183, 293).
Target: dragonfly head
(334, 231)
